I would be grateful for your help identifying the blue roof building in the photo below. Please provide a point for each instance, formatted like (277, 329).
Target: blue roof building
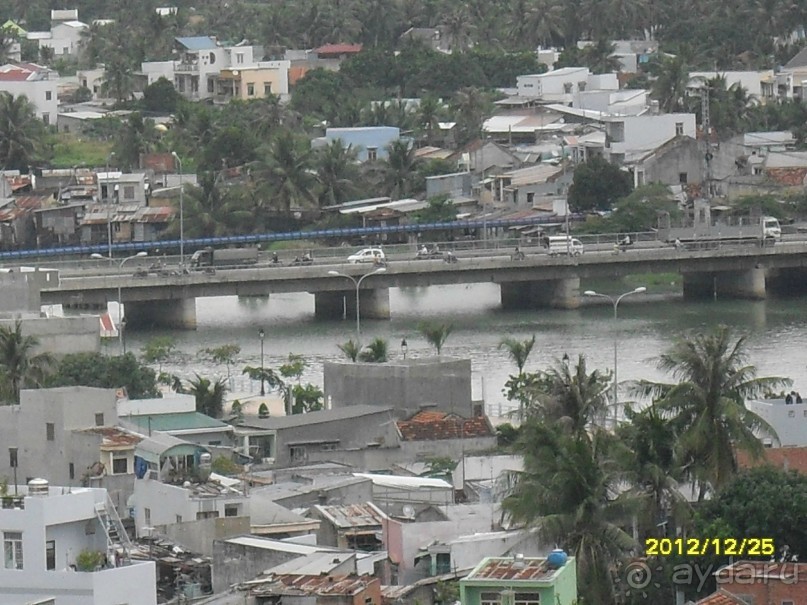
(370, 141)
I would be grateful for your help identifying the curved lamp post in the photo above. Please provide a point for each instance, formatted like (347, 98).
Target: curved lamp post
(181, 212)
(357, 283)
(262, 335)
(141, 254)
(615, 302)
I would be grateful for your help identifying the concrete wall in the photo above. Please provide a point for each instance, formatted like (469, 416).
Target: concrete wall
(404, 385)
(173, 403)
(452, 448)
(24, 427)
(63, 335)
(37, 92)
(354, 493)
(199, 536)
(684, 157)
(234, 563)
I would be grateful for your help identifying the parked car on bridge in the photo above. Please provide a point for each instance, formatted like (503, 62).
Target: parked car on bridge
(368, 255)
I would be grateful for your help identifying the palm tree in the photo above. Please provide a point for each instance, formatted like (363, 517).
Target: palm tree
(428, 118)
(212, 210)
(539, 23)
(209, 395)
(519, 350)
(20, 366)
(457, 28)
(470, 108)
(375, 352)
(436, 334)
(600, 58)
(118, 78)
(707, 404)
(21, 133)
(669, 88)
(337, 172)
(285, 171)
(400, 167)
(350, 349)
(568, 490)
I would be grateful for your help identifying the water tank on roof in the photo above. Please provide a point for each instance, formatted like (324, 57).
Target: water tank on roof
(557, 558)
(38, 487)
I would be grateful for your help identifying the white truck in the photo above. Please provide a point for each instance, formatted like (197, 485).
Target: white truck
(222, 257)
(704, 233)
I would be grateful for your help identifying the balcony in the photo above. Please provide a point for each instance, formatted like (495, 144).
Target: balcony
(186, 67)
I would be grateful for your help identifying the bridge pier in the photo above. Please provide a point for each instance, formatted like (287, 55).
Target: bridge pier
(374, 304)
(178, 313)
(748, 284)
(554, 294)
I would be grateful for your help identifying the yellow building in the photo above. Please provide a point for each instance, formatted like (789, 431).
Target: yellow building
(254, 81)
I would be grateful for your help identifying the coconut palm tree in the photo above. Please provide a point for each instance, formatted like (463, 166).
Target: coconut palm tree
(118, 78)
(337, 172)
(21, 133)
(428, 117)
(350, 349)
(209, 395)
(568, 491)
(436, 334)
(20, 366)
(399, 167)
(518, 350)
(669, 88)
(285, 171)
(707, 404)
(375, 352)
(211, 210)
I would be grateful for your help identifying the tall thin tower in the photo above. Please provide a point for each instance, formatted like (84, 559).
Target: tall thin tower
(706, 125)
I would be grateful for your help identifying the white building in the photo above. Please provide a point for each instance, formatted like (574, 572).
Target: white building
(64, 39)
(154, 70)
(613, 102)
(48, 531)
(201, 60)
(789, 421)
(751, 81)
(37, 83)
(634, 135)
(562, 84)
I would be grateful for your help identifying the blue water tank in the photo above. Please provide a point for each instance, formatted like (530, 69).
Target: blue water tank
(557, 558)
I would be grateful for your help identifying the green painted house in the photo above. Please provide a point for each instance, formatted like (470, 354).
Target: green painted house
(520, 580)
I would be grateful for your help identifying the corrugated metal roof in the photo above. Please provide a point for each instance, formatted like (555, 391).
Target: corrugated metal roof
(405, 482)
(295, 420)
(319, 585)
(352, 515)
(435, 426)
(114, 436)
(176, 421)
(197, 42)
(529, 569)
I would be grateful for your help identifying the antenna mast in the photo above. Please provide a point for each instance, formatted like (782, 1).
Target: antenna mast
(706, 125)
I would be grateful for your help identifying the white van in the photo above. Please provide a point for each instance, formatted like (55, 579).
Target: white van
(771, 228)
(562, 244)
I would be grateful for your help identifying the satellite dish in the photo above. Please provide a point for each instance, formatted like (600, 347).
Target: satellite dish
(409, 511)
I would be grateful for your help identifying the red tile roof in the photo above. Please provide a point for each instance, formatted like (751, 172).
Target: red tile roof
(322, 585)
(338, 49)
(14, 75)
(429, 425)
(721, 597)
(789, 458)
(115, 437)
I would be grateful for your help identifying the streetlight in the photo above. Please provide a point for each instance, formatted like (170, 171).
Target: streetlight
(181, 213)
(357, 283)
(108, 206)
(261, 335)
(140, 254)
(404, 347)
(615, 302)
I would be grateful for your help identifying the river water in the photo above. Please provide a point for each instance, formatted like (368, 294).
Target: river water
(776, 331)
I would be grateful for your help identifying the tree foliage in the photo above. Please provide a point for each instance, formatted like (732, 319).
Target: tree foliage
(436, 334)
(597, 185)
(209, 395)
(22, 367)
(102, 371)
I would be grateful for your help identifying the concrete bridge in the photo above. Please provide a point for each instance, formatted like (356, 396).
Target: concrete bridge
(741, 271)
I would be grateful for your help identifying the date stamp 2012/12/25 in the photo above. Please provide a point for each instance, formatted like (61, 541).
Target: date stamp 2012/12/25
(699, 547)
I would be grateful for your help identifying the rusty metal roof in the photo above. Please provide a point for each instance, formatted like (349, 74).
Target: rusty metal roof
(352, 516)
(508, 568)
(430, 425)
(114, 436)
(322, 585)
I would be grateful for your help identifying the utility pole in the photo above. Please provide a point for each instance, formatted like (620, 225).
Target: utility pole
(706, 125)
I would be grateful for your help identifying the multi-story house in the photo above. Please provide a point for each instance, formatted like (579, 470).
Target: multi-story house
(37, 83)
(201, 59)
(67, 546)
(521, 580)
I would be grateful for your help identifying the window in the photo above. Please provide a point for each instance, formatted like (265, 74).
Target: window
(527, 598)
(50, 554)
(490, 598)
(791, 414)
(230, 510)
(679, 129)
(368, 601)
(147, 515)
(211, 514)
(297, 454)
(120, 465)
(267, 89)
(682, 178)
(211, 86)
(12, 549)
(46, 118)
(48, 95)
(128, 192)
(99, 419)
(71, 470)
(50, 431)
(212, 58)
(250, 90)
(787, 602)
(239, 57)
(65, 50)
(12, 454)
(179, 518)
(372, 153)
(327, 447)
(214, 443)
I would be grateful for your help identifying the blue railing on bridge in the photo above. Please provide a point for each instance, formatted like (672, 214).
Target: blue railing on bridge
(259, 238)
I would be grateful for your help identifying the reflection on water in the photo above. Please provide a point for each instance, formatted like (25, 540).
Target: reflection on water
(776, 331)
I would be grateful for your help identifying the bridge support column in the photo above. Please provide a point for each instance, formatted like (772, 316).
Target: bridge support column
(554, 294)
(179, 313)
(374, 304)
(748, 284)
